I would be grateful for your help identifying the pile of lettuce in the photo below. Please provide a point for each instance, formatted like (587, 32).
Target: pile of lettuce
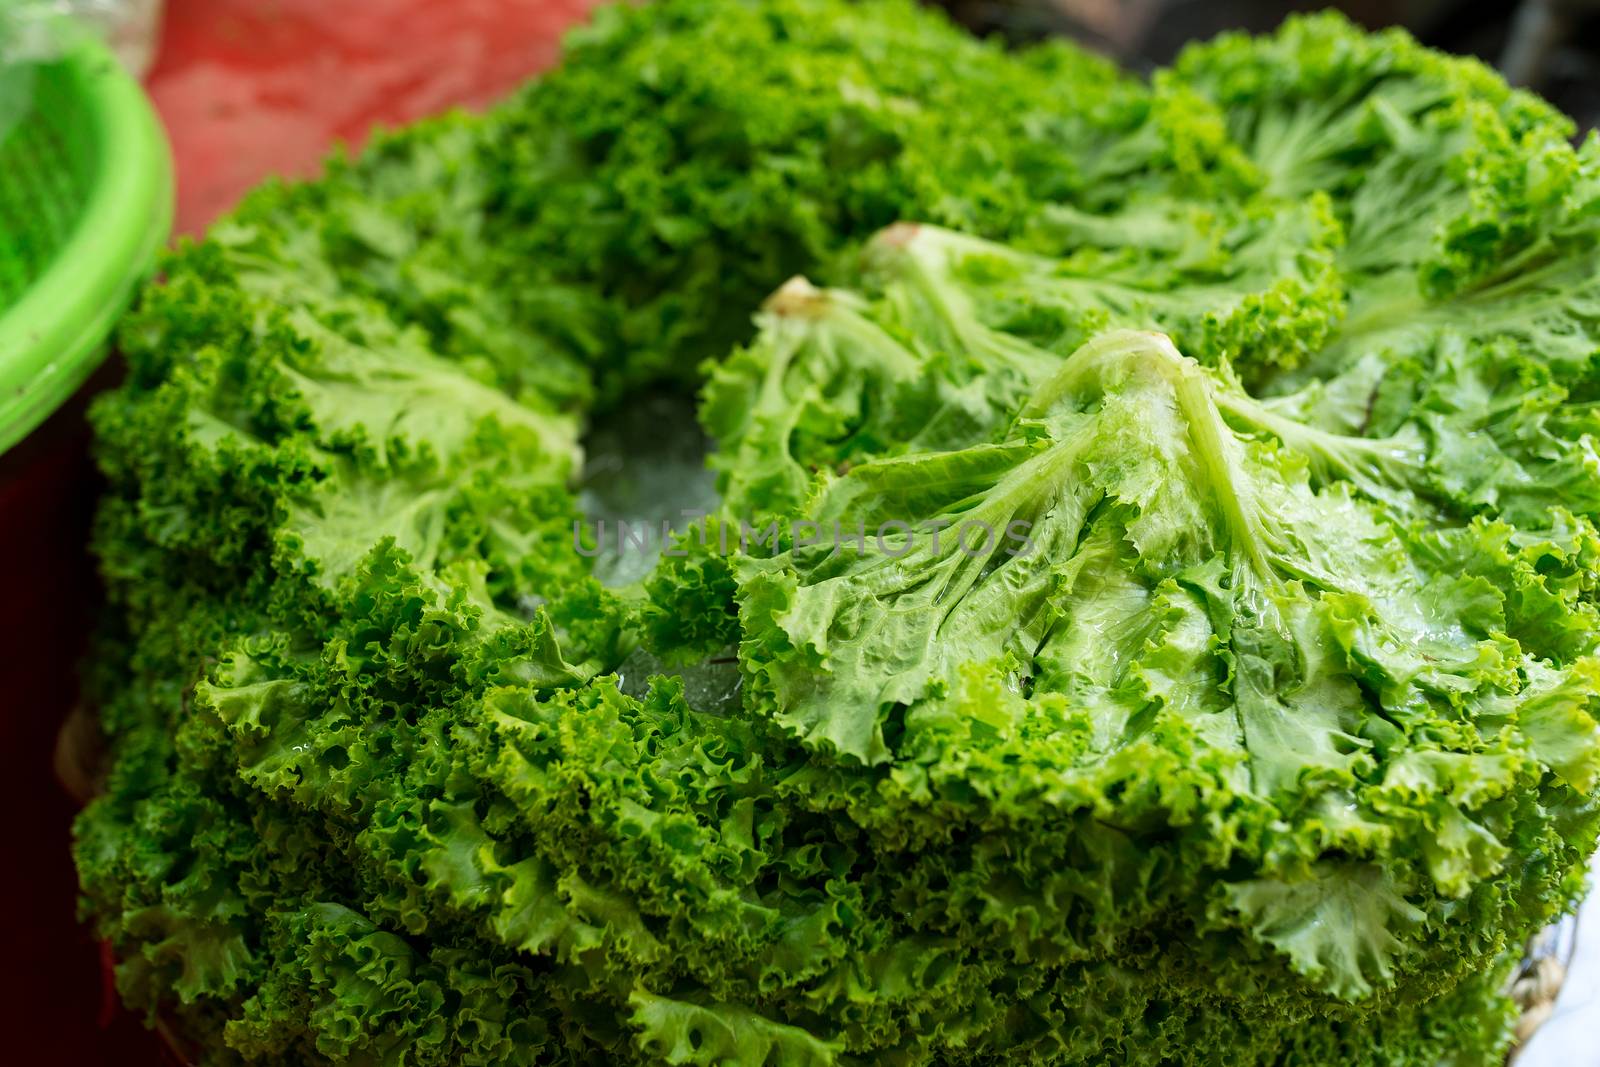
(1158, 548)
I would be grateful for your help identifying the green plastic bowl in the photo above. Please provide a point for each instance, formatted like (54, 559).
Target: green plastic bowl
(85, 206)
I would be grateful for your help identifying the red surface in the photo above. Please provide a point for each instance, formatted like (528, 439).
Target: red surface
(256, 87)
(247, 88)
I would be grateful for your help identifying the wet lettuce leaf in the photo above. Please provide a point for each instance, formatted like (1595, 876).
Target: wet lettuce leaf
(1153, 599)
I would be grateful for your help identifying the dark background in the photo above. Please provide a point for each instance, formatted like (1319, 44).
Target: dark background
(1549, 45)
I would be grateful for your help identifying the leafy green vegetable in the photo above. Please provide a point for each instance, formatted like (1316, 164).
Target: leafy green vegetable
(1179, 581)
(1157, 556)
